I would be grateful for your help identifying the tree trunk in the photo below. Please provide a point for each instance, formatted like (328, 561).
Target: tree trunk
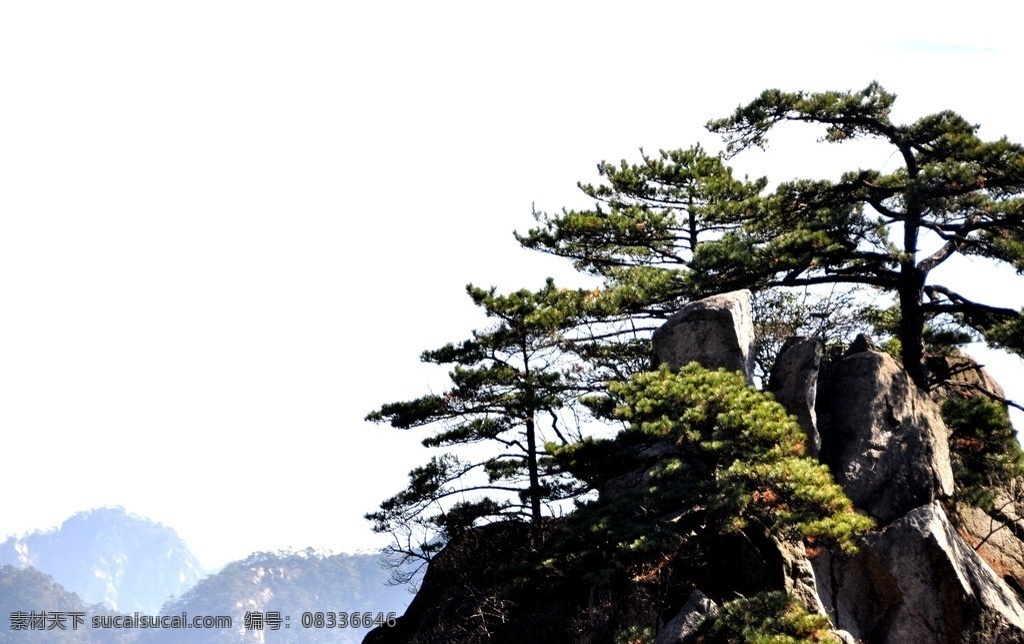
(531, 448)
(912, 320)
(911, 281)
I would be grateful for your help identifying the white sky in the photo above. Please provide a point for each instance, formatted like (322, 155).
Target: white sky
(227, 229)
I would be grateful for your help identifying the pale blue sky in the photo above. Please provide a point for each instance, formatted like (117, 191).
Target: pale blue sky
(227, 229)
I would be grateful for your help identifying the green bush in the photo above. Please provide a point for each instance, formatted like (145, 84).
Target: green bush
(766, 618)
(735, 457)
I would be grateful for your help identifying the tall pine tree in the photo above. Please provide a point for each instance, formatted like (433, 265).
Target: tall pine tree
(952, 194)
(649, 219)
(680, 226)
(506, 380)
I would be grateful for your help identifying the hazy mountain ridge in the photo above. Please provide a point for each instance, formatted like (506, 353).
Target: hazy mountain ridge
(106, 557)
(109, 556)
(289, 584)
(27, 590)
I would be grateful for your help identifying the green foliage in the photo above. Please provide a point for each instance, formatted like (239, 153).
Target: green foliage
(730, 456)
(984, 449)
(940, 335)
(504, 379)
(752, 450)
(766, 618)
(655, 214)
(635, 635)
(648, 219)
(953, 191)
(1008, 335)
(678, 225)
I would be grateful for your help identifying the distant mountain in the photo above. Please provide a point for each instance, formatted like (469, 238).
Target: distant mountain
(108, 556)
(26, 591)
(290, 584)
(106, 562)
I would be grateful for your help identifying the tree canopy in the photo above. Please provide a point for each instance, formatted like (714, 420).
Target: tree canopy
(679, 226)
(952, 194)
(649, 219)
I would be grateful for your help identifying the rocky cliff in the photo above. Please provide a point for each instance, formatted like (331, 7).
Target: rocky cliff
(938, 566)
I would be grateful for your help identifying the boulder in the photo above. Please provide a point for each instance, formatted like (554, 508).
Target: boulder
(917, 581)
(794, 382)
(883, 438)
(637, 478)
(715, 332)
(682, 628)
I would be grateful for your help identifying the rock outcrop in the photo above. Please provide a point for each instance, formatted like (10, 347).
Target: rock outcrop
(998, 535)
(922, 576)
(917, 581)
(716, 332)
(960, 376)
(682, 628)
(883, 438)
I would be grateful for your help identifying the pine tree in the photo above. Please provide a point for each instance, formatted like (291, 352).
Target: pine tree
(679, 226)
(718, 457)
(649, 219)
(505, 380)
(953, 194)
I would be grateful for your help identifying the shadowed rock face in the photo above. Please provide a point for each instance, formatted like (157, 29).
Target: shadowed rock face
(883, 438)
(683, 627)
(716, 332)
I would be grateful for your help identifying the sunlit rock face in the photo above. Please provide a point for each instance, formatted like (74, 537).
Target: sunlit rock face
(716, 332)
(883, 438)
(917, 581)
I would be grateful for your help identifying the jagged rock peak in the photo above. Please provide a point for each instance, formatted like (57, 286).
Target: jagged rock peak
(861, 344)
(717, 331)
